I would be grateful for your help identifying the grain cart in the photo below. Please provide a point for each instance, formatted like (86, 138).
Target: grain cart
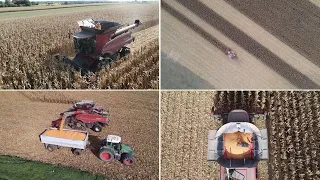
(238, 145)
(99, 43)
(54, 138)
(112, 149)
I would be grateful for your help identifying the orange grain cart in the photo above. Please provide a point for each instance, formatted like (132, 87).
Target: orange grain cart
(54, 138)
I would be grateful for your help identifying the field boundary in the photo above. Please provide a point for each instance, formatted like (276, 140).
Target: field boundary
(45, 97)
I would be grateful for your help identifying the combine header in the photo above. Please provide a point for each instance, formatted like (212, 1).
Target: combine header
(238, 145)
(99, 43)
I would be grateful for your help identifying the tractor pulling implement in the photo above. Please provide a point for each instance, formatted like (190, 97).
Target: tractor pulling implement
(111, 148)
(238, 145)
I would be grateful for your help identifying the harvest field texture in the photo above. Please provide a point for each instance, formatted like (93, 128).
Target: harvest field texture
(133, 116)
(292, 123)
(276, 42)
(29, 46)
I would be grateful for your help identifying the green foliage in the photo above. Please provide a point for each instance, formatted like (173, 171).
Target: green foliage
(34, 3)
(8, 2)
(22, 2)
(17, 168)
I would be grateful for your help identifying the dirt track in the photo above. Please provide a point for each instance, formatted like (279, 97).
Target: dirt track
(199, 31)
(133, 115)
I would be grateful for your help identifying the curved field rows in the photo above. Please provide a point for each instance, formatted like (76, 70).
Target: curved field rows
(27, 62)
(201, 30)
(133, 116)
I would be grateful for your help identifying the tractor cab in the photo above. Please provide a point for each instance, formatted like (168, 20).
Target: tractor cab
(112, 149)
(113, 141)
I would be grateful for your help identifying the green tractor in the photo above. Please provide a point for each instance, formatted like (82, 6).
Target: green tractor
(112, 149)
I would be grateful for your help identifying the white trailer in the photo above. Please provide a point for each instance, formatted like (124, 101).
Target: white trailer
(54, 138)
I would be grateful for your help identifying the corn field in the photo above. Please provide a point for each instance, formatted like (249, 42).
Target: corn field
(293, 128)
(29, 45)
(292, 122)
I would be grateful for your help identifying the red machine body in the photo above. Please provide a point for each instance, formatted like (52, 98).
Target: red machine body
(85, 114)
(101, 42)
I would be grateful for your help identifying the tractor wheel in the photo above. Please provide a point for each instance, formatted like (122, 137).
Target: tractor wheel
(97, 127)
(128, 160)
(106, 154)
(76, 152)
(51, 147)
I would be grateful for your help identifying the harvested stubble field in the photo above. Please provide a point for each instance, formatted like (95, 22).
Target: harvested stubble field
(292, 124)
(29, 45)
(45, 7)
(133, 116)
(277, 43)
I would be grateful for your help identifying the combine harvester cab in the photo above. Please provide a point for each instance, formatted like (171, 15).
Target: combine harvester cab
(54, 138)
(238, 146)
(90, 107)
(99, 43)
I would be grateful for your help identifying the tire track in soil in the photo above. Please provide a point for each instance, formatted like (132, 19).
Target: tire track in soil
(306, 136)
(193, 143)
(164, 136)
(187, 138)
(210, 169)
(313, 132)
(180, 135)
(167, 110)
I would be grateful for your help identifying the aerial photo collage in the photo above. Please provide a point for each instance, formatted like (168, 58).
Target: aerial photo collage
(159, 89)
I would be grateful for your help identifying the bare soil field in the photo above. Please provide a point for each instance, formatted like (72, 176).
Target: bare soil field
(202, 30)
(133, 116)
(28, 53)
(291, 122)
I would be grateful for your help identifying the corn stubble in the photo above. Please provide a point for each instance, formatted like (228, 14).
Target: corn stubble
(292, 123)
(28, 47)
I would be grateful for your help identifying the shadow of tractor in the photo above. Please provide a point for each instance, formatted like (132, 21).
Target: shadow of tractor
(95, 143)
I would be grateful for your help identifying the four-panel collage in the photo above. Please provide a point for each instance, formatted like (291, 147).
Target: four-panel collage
(159, 89)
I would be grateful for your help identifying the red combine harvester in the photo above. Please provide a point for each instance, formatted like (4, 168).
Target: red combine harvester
(85, 114)
(88, 106)
(238, 145)
(99, 43)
